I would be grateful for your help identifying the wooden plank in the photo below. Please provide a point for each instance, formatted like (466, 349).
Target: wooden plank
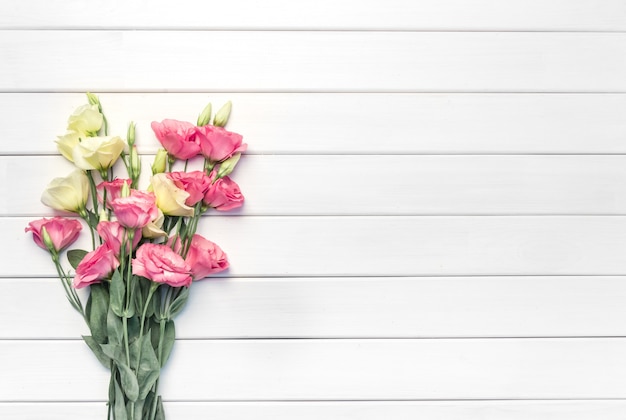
(345, 410)
(342, 123)
(381, 185)
(342, 307)
(313, 370)
(386, 246)
(312, 61)
(512, 15)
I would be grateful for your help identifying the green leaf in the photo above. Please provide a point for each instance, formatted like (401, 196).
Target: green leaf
(119, 408)
(75, 256)
(156, 302)
(168, 341)
(98, 308)
(113, 351)
(139, 404)
(134, 353)
(149, 368)
(97, 351)
(129, 382)
(160, 413)
(147, 407)
(117, 291)
(155, 327)
(142, 292)
(93, 219)
(115, 328)
(179, 303)
(133, 328)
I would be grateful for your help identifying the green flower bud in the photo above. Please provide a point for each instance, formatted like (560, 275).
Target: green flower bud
(160, 162)
(47, 241)
(228, 165)
(93, 99)
(221, 118)
(135, 165)
(125, 192)
(205, 116)
(104, 216)
(130, 135)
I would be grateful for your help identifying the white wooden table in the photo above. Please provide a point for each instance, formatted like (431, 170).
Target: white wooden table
(435, 224)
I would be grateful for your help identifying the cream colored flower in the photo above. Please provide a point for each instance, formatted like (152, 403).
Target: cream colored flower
(86, 120)
(169, 198)
(97, 152)
(69, 193)
(66, 144)
(153, 229)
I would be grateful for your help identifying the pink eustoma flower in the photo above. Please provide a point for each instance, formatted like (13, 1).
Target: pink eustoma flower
(113, 234)
(96, 266)
(205, 258)
(177, 137)
(196, 183)
(63, 232)
(136, 210)
(113, 189)
(218, 144)
(160, 264)
(224, 194)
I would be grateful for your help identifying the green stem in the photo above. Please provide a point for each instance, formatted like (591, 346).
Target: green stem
(111, 390)
(105, 123)
(94, 192)
(159, 358)
(130, 234)
(192, 228)
(176, 228)
(153, 288)
(126, 346)
(155, 400)
(71, 294)
(85, 216)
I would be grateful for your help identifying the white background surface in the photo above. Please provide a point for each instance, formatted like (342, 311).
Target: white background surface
(435, 219)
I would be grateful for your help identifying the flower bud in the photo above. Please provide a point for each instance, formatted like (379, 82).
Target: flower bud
(47, 241)
(221, 118)
(160, 162)
(228, 165)
(135, 164)
(130, 135)
(104, 216)
(93, 99)
(125, 192)
(205, 116)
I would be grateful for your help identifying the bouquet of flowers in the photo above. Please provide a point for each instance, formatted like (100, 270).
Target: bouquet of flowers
(145, 250)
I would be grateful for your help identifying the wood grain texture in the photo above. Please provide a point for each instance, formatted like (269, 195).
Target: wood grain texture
(510, 15)
(584, 306)
(296, 370)
(346, 123)
(386, 246)
(347, 410)
(299, 61)
(381, 185)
